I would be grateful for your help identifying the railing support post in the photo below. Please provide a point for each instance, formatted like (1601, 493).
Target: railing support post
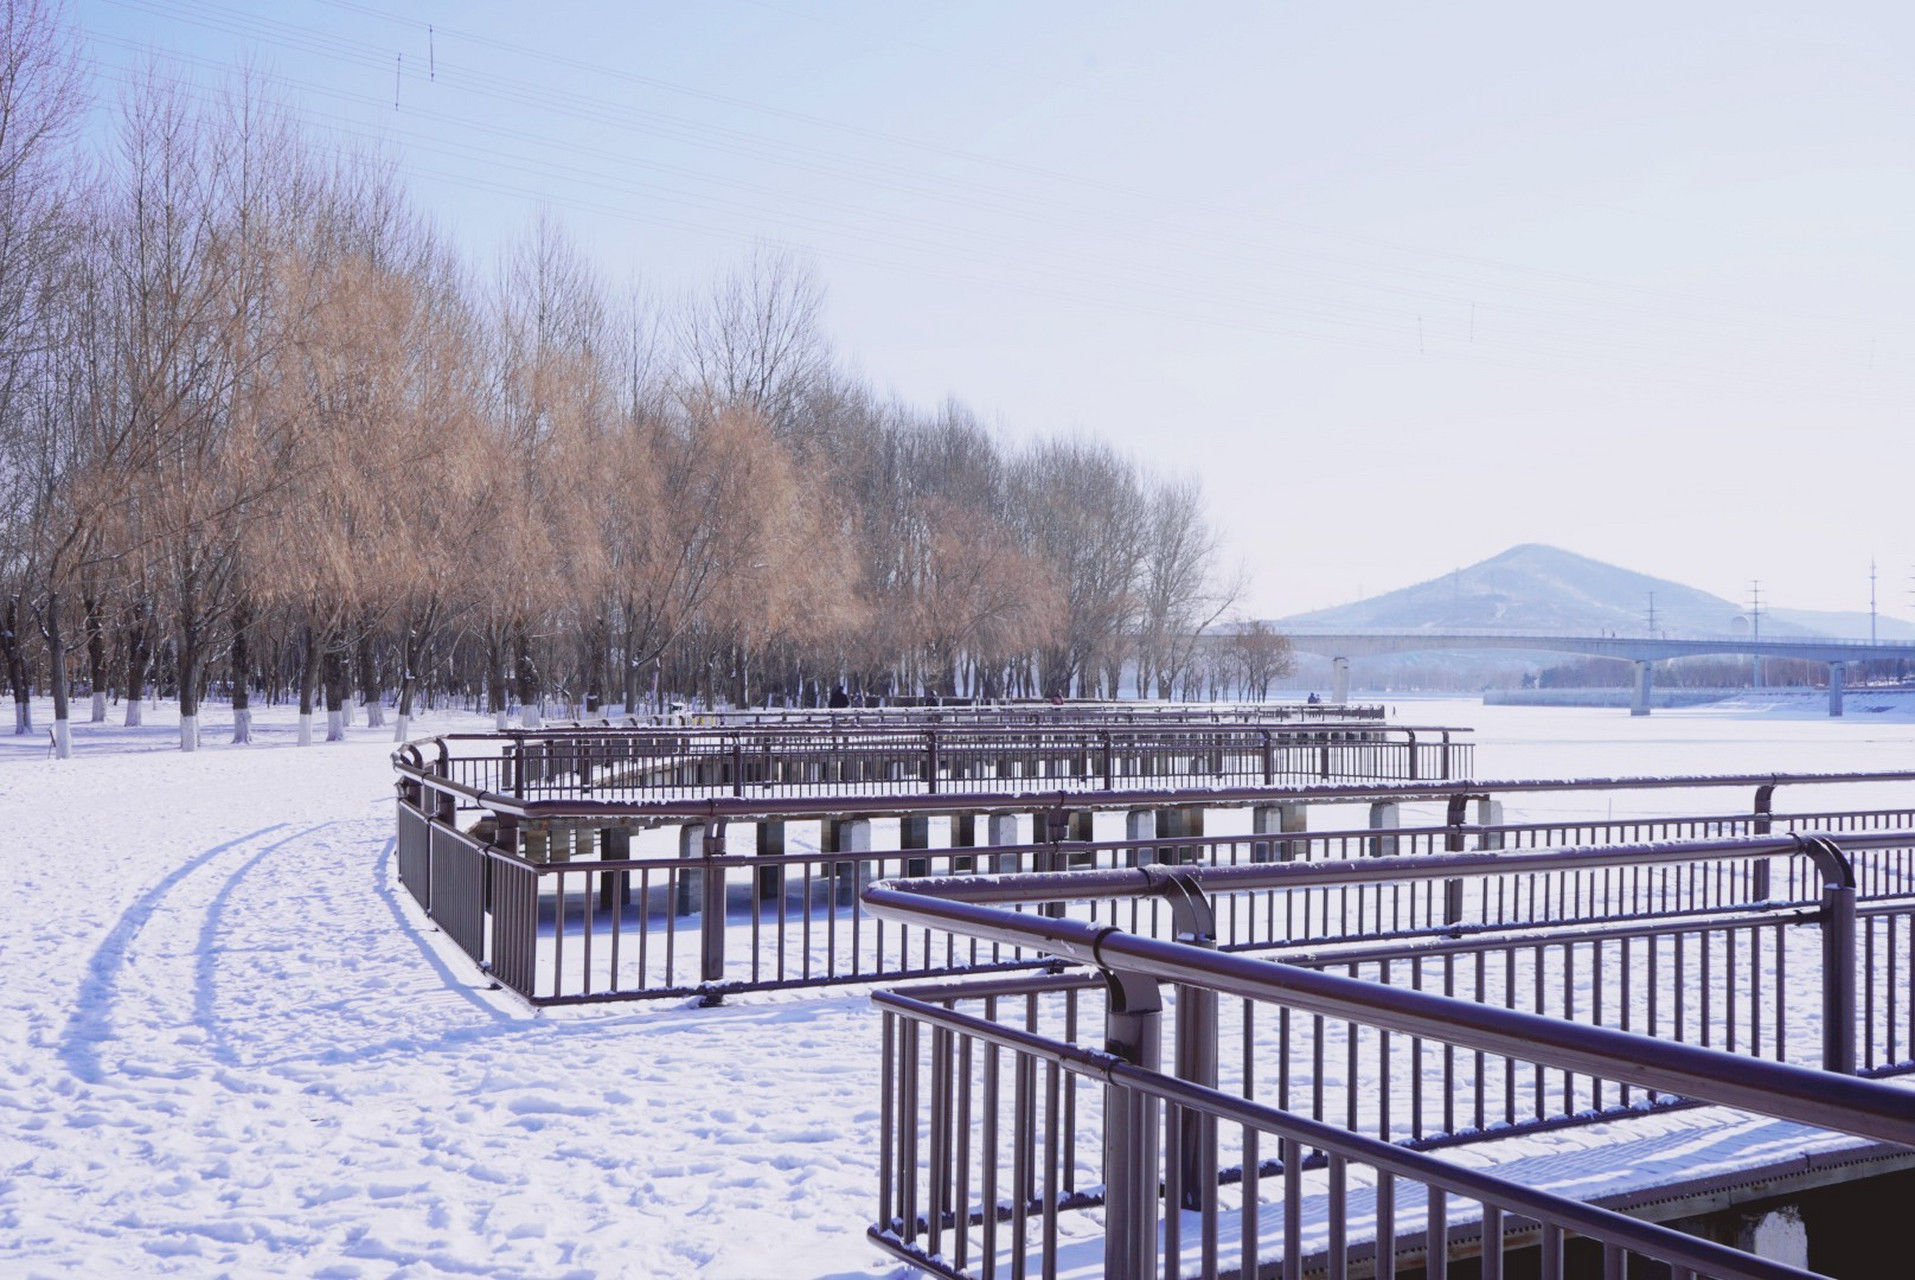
(711, 923)
(1453, 843)
(1196, 926)
(1759, 885)
(1838, 953)
(1133, 1032)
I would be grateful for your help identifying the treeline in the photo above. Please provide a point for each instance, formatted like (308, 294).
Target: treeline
(264, 432)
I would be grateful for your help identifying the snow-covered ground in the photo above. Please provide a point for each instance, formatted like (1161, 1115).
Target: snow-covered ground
(231, 1046)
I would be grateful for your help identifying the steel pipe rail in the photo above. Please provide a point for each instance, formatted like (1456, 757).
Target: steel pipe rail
(677, 763)
(1604, 1225)
(1029, 888)
(1824, 1100)
(741, 807)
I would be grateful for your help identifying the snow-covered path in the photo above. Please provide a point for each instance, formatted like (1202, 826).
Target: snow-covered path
(230, 1047)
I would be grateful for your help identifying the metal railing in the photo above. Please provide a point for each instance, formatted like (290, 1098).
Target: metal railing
(990, 1118)
(585, 920)
(830, 759)
(1028, 711)
(580, 919)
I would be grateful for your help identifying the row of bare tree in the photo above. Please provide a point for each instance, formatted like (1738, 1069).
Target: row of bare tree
(262, 429)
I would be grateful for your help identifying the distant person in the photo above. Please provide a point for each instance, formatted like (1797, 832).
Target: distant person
(839, 698)
(1314, 700)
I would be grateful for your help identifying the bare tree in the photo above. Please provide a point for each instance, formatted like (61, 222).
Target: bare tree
(1178, 598)
(754, 341)
(40, 100)
(1083, 512)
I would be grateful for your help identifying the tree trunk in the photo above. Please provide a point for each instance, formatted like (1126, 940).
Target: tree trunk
(308, 684)
(408, 664)
(13, 648)
(335, 673)
(531, 695)
(56, 662)
(242, 674)
(138, 658)
(369, 688)
(96, 668)
(495, 678)
(189, 687)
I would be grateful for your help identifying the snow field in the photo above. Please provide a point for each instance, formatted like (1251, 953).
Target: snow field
(229, 1043)
(231, 1046)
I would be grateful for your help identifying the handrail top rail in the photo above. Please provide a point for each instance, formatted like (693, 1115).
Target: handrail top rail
(715, 807)
(1155, 879)
(918, 733)
(1702, 1255)
(1822, 1099)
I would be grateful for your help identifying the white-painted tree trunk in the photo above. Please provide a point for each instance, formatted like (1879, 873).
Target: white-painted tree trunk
(336, 725)
(133, 712)
(22, 717)
(498, 721)
(242, 724)
(375, 714)
(99, 708)
(305, 729)
(530, 719)
(63, 739)
(402, 728)
(189, 733)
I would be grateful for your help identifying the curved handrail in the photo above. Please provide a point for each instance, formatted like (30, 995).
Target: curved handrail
(1823, 1099)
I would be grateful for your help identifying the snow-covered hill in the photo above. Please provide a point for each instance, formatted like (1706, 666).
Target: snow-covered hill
(1537, 587)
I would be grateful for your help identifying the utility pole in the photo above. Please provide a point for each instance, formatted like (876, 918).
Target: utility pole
(1871, 599)
(1652, 613)
(1755, 623)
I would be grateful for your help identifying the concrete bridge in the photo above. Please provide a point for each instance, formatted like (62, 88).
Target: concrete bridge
(1643, 650)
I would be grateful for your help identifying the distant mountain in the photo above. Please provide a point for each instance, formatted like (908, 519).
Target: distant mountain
(1538, 588)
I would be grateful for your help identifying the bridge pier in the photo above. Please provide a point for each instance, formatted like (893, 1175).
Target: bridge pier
(1639, 697)
(1339, 680)
(1838, 674)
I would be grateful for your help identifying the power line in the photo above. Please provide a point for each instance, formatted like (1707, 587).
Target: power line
(1174, 289)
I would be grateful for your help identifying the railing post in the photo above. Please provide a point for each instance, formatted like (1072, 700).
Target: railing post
(1196, 926)
(931, 761)
(1133, 1032)
(1764, 821)
(1453, 843)
(1838, 953)
(1269, 758)
(711, 924)
(1053, 826)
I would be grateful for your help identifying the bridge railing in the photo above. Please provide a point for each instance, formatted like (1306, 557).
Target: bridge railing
(1223, 1118)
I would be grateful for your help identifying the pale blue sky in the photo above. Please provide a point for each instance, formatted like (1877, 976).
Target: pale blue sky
(1402, 284)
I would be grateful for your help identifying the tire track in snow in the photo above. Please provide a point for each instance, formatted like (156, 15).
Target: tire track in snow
(91, 1022)
(206, 954)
